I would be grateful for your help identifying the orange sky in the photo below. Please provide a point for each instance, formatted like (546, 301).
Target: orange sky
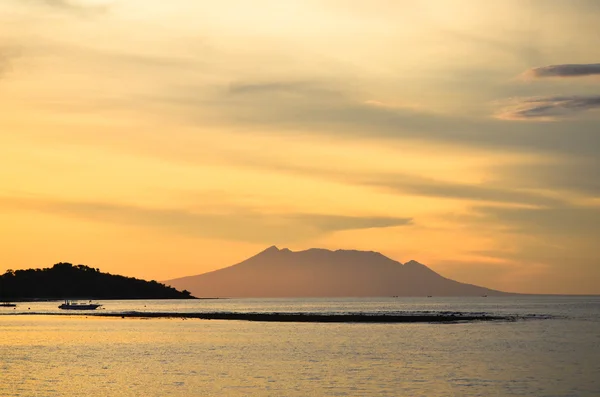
(163, 139)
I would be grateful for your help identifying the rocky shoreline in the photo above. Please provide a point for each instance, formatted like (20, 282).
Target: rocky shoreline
(300, 317)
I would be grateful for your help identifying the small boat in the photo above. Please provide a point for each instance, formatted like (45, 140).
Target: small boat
(71, 305)
(7, 304)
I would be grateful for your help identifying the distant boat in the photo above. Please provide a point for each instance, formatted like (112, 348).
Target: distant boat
(71, 305)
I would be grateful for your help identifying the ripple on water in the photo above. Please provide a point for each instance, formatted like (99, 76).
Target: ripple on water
(70, 356)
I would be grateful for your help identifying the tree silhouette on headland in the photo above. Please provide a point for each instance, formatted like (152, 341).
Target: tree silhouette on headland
(66, 281)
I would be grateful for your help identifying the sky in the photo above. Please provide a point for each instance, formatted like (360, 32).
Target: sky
(164, 139)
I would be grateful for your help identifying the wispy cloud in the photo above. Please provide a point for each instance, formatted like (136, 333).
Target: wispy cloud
(461, 191)
(549, 108)
(270, 87)
(237, 223)
(4, 63)
(333, 109)
(58, 3)
(565, 70)
(7, 55)
(405, 183)
(566, 221)
(557, 238)
(509, 43)
(69, 5)
(577, 175)
(420, 186)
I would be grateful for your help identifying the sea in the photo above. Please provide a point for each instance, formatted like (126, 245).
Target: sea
(552, 348)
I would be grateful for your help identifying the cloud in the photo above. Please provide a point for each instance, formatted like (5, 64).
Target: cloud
(260, 95)
(7, 54)
(461, 191)
(565, 70)
(332, 109)
(563, 239)
(4, 64)
(549, 108)
(577, 175)
(334, 223)
(348, 119)
(566, 221)
(58, 3)
(410, 184)
(271, 87)
(509, 43)
(69, 5)
(393, 105)
(237, 223)
(420, 186)
(316, 106)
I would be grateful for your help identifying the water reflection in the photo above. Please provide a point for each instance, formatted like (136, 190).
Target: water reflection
(79, 356)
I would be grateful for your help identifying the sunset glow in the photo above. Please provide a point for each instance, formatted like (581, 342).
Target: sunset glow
(165, 139)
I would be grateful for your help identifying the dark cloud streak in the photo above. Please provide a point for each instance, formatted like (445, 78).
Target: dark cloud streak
(550, 108)
(566, 70)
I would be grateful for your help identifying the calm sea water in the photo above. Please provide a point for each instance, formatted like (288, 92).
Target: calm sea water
(44, 355)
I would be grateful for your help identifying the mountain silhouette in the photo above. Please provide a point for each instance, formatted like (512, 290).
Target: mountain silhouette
(323, 273)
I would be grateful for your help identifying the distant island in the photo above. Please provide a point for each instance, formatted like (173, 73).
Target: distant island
(323, 273)
(67, 281)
